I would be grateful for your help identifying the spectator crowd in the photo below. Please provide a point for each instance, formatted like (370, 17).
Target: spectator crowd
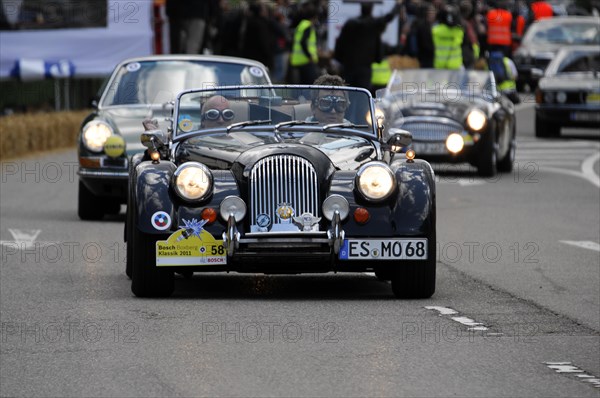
(289, 36)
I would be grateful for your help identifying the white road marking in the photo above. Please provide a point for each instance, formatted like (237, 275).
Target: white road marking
(24, 239)
(442, 310)
(587, 168)
(472, 325)
(584, 244)
(568, 367)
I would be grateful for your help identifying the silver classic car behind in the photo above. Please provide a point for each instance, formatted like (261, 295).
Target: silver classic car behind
(138, 89)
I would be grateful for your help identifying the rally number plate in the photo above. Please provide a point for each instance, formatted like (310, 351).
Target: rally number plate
(384, 249)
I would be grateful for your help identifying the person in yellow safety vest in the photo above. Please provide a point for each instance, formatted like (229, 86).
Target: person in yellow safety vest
(447, 40)
(509, 86)
(505, 74)
(381, 74)
(304, 57)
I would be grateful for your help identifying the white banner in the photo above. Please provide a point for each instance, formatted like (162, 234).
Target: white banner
(91, 51)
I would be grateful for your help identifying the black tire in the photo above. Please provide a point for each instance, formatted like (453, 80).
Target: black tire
(416, 279)
(505, 165)
(147, 280)
(544, 129)
(112, 206)
(129, 239)
(89, 206)
(487, 166)
(384, 274)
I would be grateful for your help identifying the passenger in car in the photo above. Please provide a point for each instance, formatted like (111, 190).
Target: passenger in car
(216, 112)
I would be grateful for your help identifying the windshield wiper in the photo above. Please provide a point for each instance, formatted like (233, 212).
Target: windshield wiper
(293, 123)
(344, 126)
(246, 123)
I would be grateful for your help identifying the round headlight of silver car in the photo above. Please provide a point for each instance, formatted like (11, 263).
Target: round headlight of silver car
(561, 97)
(375, 181)
(95, 134)
(193, 181)
(476, 120)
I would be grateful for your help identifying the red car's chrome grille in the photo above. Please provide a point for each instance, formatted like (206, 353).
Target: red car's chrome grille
(283, 179)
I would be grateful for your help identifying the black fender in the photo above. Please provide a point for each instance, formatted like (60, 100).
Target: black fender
(410, 211)
(152, 192)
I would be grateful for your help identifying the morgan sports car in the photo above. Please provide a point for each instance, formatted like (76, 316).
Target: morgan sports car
(280, 180)
(141, 88)
(454, 116)
(569, 93)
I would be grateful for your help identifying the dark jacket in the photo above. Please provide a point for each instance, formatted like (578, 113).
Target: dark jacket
(359, 42)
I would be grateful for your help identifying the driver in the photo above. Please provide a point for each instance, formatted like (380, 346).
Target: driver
(216, 112)
(329, 106)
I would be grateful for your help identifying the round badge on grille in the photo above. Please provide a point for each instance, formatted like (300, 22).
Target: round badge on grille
(263, 220)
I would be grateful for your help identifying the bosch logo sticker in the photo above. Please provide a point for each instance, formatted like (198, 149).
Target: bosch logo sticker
(161, 220)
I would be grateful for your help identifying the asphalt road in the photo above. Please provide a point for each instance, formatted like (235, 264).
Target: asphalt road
(516, 311)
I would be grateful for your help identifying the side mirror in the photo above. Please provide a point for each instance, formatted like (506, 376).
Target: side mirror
(399, 138)
(94, 103)
(153, 139)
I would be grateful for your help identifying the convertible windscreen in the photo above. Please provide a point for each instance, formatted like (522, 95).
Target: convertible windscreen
(157, 82)
(448, 83)
(279, 109)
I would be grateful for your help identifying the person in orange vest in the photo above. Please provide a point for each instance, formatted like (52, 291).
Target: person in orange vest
(541, 10)
(499, 23)
(519, 23)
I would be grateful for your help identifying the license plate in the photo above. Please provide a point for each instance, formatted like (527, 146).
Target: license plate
(585, 117)
(430, 148)
(593, 98)
(384, 249)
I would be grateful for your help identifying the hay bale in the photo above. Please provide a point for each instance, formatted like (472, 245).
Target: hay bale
(24, 134)
(403, 62)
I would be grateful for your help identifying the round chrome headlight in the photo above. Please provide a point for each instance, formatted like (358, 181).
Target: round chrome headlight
(335, 203)
(561, 97)
(193, 181)
(375, 181)
(476, 120)
(95, 134)
(233, 206)
(548, 97)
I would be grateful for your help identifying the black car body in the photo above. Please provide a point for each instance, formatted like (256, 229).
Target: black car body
(454, 116)
(544, 38)
(280, 192)
(138, 89)
(569, 93)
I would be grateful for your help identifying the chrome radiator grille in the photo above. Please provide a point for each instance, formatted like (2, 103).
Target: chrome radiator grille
(283, 179)
(431, 130)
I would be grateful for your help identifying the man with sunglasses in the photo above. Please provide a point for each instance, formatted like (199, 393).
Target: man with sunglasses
(329, 106)
(216, 112)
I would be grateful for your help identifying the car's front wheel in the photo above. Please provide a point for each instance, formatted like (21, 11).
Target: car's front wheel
(505, 165)
(488, 157)
(147, 280)
(89, 206)
(416, 279)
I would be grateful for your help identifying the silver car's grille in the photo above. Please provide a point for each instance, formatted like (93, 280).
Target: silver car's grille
(431, 130)
(280, 179)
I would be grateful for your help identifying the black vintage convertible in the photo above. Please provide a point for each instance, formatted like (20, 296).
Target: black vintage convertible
(280, 179)
(454, 116)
